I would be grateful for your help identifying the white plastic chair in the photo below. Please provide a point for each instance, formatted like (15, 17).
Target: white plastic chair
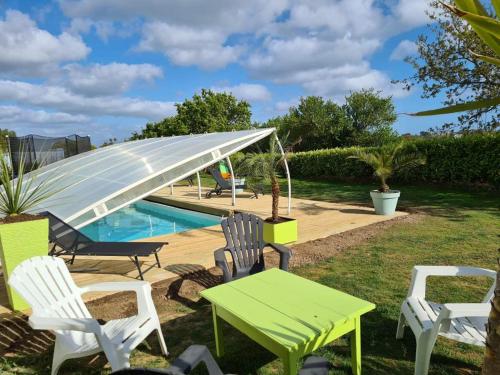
(464, 322)
(46, 284)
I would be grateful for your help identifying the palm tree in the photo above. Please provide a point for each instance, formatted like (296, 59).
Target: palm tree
(264, 166)
(386, 160)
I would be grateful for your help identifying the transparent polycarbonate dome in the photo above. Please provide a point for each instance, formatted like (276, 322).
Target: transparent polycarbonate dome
(96, 183)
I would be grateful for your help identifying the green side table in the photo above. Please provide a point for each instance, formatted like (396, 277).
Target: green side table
(288, 315)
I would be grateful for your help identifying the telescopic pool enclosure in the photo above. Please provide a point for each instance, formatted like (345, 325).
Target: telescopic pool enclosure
(96, 183)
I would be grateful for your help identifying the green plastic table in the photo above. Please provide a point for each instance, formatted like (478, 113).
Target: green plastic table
(288, 315)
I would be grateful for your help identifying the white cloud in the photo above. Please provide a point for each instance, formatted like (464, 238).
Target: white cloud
(312, 39)
(356, 17)
(106, 79)
(325, 46)
(188, 46)
(192, 32)
(337, 82)
(223, 15)
(246, 91)
(104, 29)
(286, 60)
(61, 99)
(404, 49)
(411, 13)
(10, 114)
(26, 49)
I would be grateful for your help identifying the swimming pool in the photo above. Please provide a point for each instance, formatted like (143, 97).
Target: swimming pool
(144, 219)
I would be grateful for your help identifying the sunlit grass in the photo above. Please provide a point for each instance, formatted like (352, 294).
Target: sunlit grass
(458, 227)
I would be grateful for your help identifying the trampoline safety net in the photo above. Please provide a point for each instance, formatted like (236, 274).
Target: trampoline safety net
(39, 150)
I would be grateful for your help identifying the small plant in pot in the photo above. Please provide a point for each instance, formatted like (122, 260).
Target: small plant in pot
(385, 161)
(263, 166)
(22, 235)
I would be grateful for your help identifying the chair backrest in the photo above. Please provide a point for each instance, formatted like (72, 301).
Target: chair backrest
(63, 234)
(46, 284)
(244, 240)
(223, 183)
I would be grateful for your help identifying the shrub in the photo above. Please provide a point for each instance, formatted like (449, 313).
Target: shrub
(470, 159)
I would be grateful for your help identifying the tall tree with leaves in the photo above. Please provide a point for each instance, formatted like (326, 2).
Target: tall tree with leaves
(447, 66)
(203, 113)
(315, 123)
(370, 118)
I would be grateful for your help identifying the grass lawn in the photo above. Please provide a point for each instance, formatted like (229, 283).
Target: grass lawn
(455, 228)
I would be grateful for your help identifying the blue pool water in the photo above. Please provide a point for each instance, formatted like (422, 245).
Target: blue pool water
(144, 219)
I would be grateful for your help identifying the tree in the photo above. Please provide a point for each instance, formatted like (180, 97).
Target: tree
(314, 123)
(447, 67)
(371, 117)
(214, 112)
(208, 112)
(167, 127)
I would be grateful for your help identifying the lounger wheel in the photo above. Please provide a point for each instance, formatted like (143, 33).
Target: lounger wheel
(218, 192)
(208, 195)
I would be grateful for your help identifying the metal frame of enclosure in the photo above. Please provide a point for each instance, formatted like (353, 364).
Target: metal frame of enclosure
(96, 183)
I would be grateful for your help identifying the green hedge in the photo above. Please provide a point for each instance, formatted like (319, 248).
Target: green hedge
(473, 159)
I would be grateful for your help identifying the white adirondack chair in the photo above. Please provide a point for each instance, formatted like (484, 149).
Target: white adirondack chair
(464, 322)
(46, 284)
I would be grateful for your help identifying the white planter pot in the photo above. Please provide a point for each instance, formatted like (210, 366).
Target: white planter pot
(385, 203)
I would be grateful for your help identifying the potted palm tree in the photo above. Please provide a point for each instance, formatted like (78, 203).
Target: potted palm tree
(263, 166)
(22, 235)
(385, 161)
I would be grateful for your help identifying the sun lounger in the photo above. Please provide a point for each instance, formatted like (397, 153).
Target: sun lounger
(223, 184)
(67, 240)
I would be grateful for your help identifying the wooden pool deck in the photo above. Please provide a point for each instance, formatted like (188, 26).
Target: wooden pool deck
(193, 250)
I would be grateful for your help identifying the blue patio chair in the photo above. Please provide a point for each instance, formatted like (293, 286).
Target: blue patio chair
(245, 243)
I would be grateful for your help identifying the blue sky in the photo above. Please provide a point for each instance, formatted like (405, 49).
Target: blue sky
(106, 67)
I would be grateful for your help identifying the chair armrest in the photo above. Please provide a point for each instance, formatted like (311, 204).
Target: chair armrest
(221, 262)
(462, 310)
(82, 324)
(145, 305)
(454, 271)
(117, 286)
(420, 274)
(191, 358)
(285, 254)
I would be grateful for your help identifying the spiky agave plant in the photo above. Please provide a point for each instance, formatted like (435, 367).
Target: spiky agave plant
(19, 195)
(388, 159)
(264, 165)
